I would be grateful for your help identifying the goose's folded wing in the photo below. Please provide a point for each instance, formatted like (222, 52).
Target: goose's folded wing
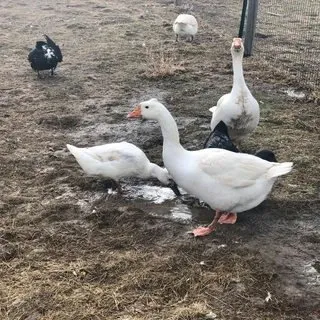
(214, 108)
(219, 112)
(108, 155)
(232, 169)
(221, 100)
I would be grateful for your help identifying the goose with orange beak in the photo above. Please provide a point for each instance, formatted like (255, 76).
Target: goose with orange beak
(135, 113)
(239, 110)
(228, 182)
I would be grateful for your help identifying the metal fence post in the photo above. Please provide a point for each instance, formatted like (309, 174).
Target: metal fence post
(250, 27)
(243, 18)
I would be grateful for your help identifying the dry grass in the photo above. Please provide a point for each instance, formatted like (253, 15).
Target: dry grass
(315, 96)
(143, 281)
(99, 271)
(67, 251)
(162, 63)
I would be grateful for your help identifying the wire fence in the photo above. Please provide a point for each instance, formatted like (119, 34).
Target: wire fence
(288, 35)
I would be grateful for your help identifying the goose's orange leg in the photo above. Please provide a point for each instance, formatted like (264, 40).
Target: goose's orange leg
(204, 231)
(228, 218)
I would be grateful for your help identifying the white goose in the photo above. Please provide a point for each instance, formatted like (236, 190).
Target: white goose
(229, 182)
(118, 160)
(185, 25)
(239, 110)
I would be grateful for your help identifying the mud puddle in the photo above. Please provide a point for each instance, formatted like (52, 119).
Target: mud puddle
(162, 202)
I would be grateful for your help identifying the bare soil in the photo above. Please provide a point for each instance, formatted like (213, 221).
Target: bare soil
(68, 250)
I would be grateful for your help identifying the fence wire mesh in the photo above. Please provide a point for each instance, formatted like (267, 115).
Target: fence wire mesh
(288, 35)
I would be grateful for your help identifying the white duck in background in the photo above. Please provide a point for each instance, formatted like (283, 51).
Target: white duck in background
(239, 110)
(228, 182)
(118, 160)
(185, 25)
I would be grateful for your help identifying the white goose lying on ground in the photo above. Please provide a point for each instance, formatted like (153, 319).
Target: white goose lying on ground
(239, 110)
(185, 25)
(118, 160)
(228, 182)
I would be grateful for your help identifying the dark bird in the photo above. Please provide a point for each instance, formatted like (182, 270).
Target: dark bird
(45, 56)
(219, 138)
(266, 154)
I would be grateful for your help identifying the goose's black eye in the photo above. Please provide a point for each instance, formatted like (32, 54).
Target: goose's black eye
(147, 107)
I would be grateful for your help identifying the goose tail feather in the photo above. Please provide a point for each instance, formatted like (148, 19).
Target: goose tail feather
(280, 169)
(88, 164)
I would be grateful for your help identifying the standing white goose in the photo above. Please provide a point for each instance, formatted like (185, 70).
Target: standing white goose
(239, 110)
(118, 160)
(229, 182)
(185, 25)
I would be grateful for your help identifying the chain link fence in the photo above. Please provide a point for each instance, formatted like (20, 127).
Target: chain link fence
(288, 35)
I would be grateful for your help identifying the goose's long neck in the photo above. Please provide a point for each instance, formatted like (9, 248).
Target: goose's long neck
(238, 79)
(157, 172)
(170, 132)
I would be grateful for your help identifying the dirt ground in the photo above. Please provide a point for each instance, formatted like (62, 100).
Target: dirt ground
(69, 250)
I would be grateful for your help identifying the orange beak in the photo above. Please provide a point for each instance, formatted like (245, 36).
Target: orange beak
(237, 42)
(135, 113)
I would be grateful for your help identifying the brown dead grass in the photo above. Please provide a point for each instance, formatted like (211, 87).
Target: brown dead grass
(184, 280)
(68, 251)
(97, 271)
(162, 63)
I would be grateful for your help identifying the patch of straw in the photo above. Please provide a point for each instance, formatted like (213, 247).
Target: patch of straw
(162, 64)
